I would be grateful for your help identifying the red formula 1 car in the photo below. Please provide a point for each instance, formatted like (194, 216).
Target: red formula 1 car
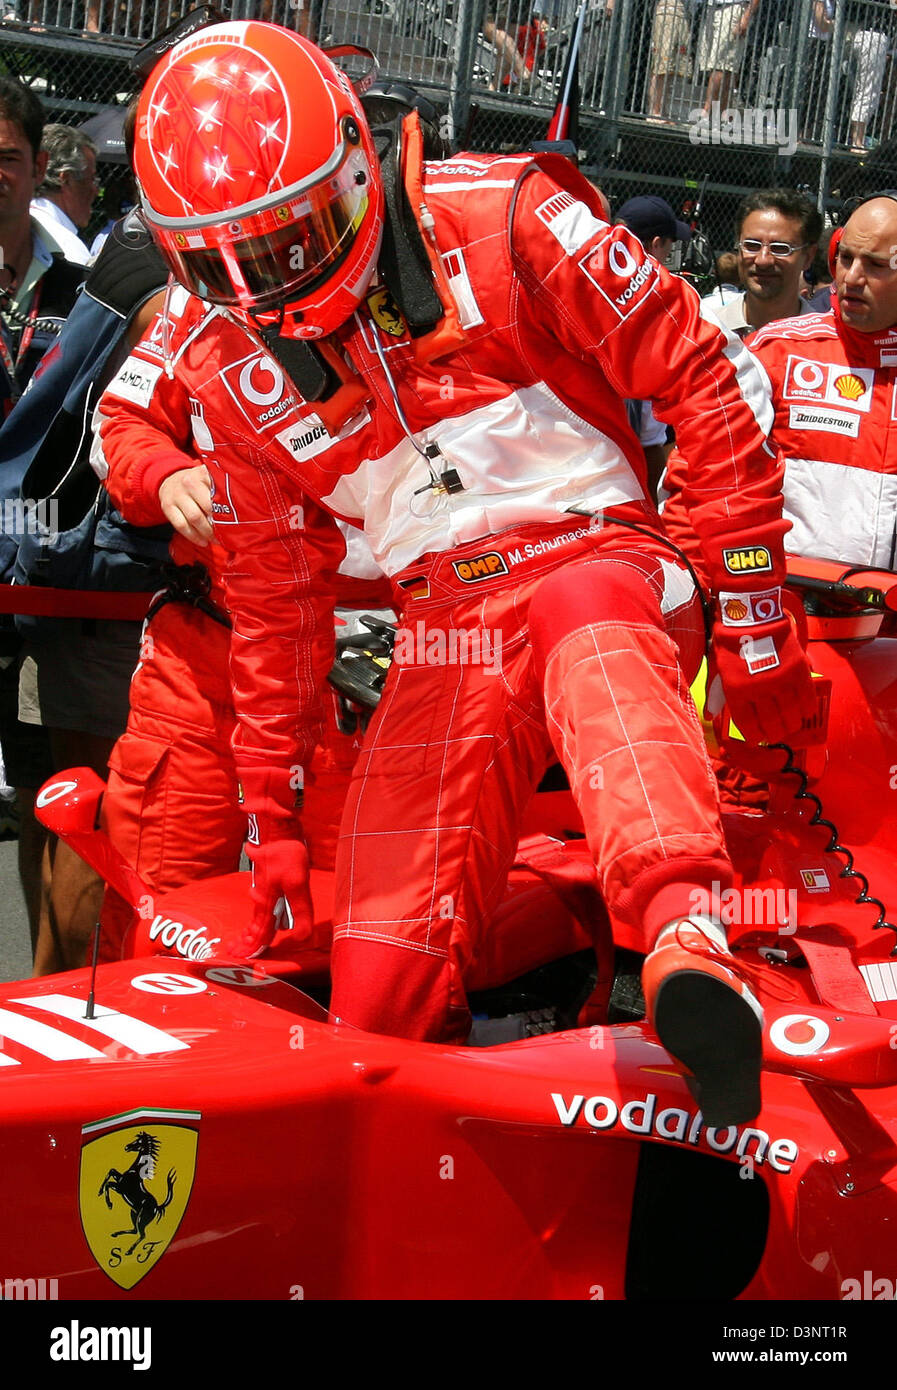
(187, 1126)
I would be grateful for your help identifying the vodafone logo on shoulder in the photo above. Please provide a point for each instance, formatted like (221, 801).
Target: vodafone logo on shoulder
(622, 281)
(260, 390)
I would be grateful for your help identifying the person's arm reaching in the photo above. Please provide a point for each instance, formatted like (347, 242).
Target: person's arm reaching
(606, 299)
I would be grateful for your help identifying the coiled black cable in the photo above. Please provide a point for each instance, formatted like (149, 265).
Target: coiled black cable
(834, 845)
(17, 319)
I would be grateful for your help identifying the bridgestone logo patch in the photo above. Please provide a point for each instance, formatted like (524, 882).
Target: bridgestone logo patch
(802, 417)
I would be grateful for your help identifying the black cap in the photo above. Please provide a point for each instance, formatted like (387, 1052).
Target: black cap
(650, 216)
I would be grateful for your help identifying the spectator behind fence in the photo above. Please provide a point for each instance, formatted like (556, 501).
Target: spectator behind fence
(721, 45)
(670, 58)
(516, 36)
(69, 187)
(728, 286)
(776, 235)
(44, 286)
(868, 46)
(870, 49)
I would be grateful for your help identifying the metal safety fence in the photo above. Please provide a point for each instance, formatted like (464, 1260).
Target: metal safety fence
(694, 99)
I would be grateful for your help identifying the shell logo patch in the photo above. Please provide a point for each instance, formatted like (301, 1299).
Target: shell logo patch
(740, 610)
(849, 387)
(386, 313)
(736, 610)
(136, 1177)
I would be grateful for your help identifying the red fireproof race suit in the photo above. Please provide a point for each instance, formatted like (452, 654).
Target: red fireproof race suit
(561, 317)
(834, 392)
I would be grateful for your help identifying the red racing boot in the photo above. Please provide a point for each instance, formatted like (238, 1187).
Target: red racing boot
(707, 1017)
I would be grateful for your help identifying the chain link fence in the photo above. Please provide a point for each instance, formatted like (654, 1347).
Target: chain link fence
(698, 100)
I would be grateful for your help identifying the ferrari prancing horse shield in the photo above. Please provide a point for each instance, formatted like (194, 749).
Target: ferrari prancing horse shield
(137, 1174)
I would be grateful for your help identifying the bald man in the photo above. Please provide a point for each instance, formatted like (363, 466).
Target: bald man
(833, 383)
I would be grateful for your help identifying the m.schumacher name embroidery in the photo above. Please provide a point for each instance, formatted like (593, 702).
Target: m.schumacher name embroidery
(612, 260)
(741, 610)
(676, 1126)
(480, 567)
(740, 559)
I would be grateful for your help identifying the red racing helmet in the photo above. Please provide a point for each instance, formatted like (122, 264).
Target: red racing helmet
(258, 175)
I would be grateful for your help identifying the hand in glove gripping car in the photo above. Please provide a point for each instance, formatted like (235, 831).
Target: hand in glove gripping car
(758, 666)
(281, 899)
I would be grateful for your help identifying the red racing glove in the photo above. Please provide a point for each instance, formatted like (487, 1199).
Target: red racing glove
(276, 848)
(761, 667)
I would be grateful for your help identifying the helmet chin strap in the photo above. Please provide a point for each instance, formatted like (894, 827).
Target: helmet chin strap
(298, 357)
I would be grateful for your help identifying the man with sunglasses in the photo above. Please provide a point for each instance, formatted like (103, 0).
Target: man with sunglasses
(776, 233)
(832, 382)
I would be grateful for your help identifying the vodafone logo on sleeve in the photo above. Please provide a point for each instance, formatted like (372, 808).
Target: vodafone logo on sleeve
(621, 280)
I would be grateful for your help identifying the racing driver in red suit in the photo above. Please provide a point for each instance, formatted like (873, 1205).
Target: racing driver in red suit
(439, 353)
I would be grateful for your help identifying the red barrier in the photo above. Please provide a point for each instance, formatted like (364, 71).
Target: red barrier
(72, 603)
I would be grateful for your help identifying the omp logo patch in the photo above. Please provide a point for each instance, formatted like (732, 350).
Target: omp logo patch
(612, 261)
(803, 417)
(480, 567)
(827, 383)
(258, 387)
(741, 559)
(135, 381)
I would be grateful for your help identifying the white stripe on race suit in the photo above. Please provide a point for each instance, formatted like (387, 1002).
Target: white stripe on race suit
(8, 1061)
(49, 1042)
(753, 382)
(677, 587)
(571, 223)
(840, 513)
(359, 563)
(478, 183)
(523, 459)
(132, 1033)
